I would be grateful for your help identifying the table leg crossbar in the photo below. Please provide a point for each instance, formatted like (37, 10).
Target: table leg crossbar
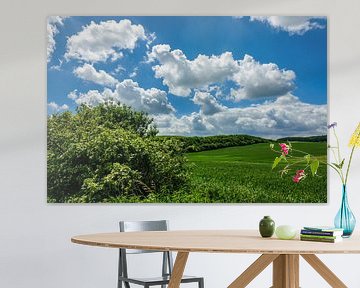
(178, 270)
(254, 270)
(285, 271)
(324, 271)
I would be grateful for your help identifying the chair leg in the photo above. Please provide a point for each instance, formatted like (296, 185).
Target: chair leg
(120, 270)
(201, 283)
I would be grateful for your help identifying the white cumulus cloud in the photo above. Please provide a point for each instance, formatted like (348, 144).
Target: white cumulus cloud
(128, 92)
(258, 80)
(208, 103)
(181, 75)
(103, 41)
(252, 78)
(91, 97)
(291, 24)
(193, 124)
(153, 100)
(55, 108)
(89, 73)
(52, 29)
(285, 116)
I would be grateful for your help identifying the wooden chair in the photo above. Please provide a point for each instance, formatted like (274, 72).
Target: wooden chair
(167, 265)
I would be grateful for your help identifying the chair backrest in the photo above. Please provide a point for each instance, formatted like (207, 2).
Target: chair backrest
(134, 226)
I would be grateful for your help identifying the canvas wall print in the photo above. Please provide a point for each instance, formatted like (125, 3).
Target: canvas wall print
(185, 109)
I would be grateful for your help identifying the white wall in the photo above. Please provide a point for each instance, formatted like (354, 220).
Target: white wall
(35, 248)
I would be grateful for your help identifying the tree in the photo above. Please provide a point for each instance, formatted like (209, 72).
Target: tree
(110, 153)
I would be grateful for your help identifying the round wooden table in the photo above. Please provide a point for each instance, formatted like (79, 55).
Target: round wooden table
(284, 254)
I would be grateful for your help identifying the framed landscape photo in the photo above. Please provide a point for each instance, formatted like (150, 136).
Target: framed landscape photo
(185, 109)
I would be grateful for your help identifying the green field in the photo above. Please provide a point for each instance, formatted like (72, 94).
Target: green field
(244, 175)
(112, 154)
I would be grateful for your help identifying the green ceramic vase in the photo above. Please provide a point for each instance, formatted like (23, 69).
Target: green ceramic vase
(266, 227)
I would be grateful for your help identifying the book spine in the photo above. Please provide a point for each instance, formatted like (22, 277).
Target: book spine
(320, 233)
(319, 236)
(318, 239)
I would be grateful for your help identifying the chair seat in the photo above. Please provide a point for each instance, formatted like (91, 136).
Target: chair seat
(158, 280)
(167, 262)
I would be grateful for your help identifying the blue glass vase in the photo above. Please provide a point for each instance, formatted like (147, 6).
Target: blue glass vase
(345, 219)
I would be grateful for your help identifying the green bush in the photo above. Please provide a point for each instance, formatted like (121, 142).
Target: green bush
(109, 153)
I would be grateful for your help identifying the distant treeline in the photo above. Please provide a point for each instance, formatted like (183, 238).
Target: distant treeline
(197, 143)
(204, 143)
(322, 138)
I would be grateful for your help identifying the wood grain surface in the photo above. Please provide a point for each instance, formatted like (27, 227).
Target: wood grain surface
(217, 241)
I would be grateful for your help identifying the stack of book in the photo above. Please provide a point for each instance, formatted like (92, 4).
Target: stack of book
(321, 234)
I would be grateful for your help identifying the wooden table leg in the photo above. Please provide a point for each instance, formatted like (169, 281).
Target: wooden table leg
(253, 270)
(178, 269)
(286, 271)
(279, 269)
(293, 262)
(324, 271)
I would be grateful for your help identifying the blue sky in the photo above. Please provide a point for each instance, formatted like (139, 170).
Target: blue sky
(264, 76)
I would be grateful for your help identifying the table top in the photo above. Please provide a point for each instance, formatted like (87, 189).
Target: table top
(217, 241)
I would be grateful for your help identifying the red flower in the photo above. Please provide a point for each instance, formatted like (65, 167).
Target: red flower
(284, 149)
(300, 174)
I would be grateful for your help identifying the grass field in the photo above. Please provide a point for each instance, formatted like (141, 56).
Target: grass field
(244, 175)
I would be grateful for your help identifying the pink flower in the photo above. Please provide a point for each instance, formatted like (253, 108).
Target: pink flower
(284, 149)
(300, 174)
